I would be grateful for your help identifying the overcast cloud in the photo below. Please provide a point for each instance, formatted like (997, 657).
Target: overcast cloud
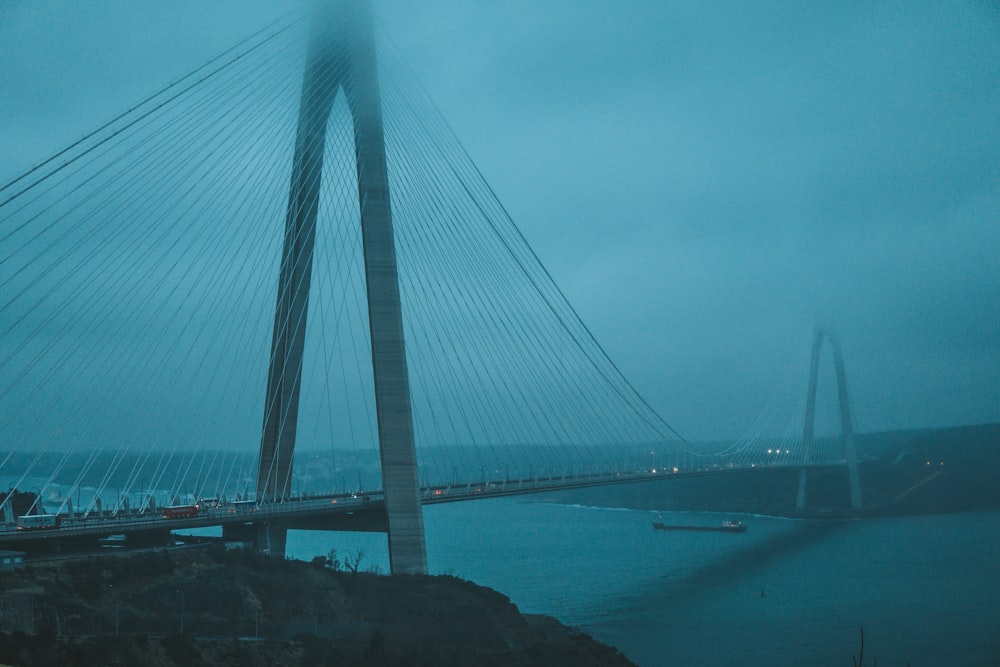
(705, 181)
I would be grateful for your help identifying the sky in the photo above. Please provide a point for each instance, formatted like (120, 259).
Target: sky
(706, 182)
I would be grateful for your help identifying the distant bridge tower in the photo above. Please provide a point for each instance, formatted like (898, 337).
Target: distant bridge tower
(342, 56)
(847, 429)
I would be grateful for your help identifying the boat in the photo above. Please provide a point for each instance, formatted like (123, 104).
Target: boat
(729, 526)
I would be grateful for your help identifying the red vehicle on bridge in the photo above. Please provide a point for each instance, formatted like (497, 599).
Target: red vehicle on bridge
(180, 512)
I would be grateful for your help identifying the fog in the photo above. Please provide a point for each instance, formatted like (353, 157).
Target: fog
(706, 183)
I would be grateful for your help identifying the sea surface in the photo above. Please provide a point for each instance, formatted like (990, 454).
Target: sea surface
(926, 589)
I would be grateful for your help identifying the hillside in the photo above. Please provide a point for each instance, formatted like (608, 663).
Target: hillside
(209, 606)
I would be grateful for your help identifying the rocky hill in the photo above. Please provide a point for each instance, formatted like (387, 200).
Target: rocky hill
(208, 606)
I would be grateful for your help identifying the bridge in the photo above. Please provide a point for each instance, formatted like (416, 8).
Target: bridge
(151, 291)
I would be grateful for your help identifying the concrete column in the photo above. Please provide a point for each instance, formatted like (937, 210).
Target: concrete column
(846, 425)
(342, 54)
(284, 378)
(407, 550)
(269, 538)
(808, 434)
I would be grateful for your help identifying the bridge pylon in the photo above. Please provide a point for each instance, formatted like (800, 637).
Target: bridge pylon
(342, 57)
(846, 426)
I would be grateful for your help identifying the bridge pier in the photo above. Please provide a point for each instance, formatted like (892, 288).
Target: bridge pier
(800, 498)
(269, 538)
(262, 536)
(243, 533)
(149, 538)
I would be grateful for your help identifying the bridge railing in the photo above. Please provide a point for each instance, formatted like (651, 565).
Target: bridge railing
(122, 521)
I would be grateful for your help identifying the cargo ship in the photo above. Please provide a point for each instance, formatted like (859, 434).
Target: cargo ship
(724, 527)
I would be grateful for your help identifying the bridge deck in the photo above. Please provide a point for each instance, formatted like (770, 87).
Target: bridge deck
(312, 512)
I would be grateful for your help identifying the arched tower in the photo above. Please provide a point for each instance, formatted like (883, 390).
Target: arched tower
(846, 426)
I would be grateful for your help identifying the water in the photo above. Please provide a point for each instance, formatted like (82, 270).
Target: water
(925, 589)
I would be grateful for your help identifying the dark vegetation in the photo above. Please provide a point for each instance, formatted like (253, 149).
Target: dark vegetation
(859, 660)
(209, 606)
(21, 503)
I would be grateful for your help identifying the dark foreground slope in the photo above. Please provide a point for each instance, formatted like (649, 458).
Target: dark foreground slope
(212, 607)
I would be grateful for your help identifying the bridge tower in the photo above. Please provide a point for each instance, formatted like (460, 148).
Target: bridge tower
(342, 57)
(847, 428)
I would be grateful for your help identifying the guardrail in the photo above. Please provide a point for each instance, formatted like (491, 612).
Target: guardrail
(122, 522)
(105, 523)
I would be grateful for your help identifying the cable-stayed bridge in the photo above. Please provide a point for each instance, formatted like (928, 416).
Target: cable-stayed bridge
(278, 291)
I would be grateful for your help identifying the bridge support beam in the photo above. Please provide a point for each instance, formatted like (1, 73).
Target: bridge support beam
(269, 538)
(342, 55)
(800, 498)
(243, 533)
(846, 425)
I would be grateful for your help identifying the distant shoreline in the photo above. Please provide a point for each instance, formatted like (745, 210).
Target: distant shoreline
(903, 473)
